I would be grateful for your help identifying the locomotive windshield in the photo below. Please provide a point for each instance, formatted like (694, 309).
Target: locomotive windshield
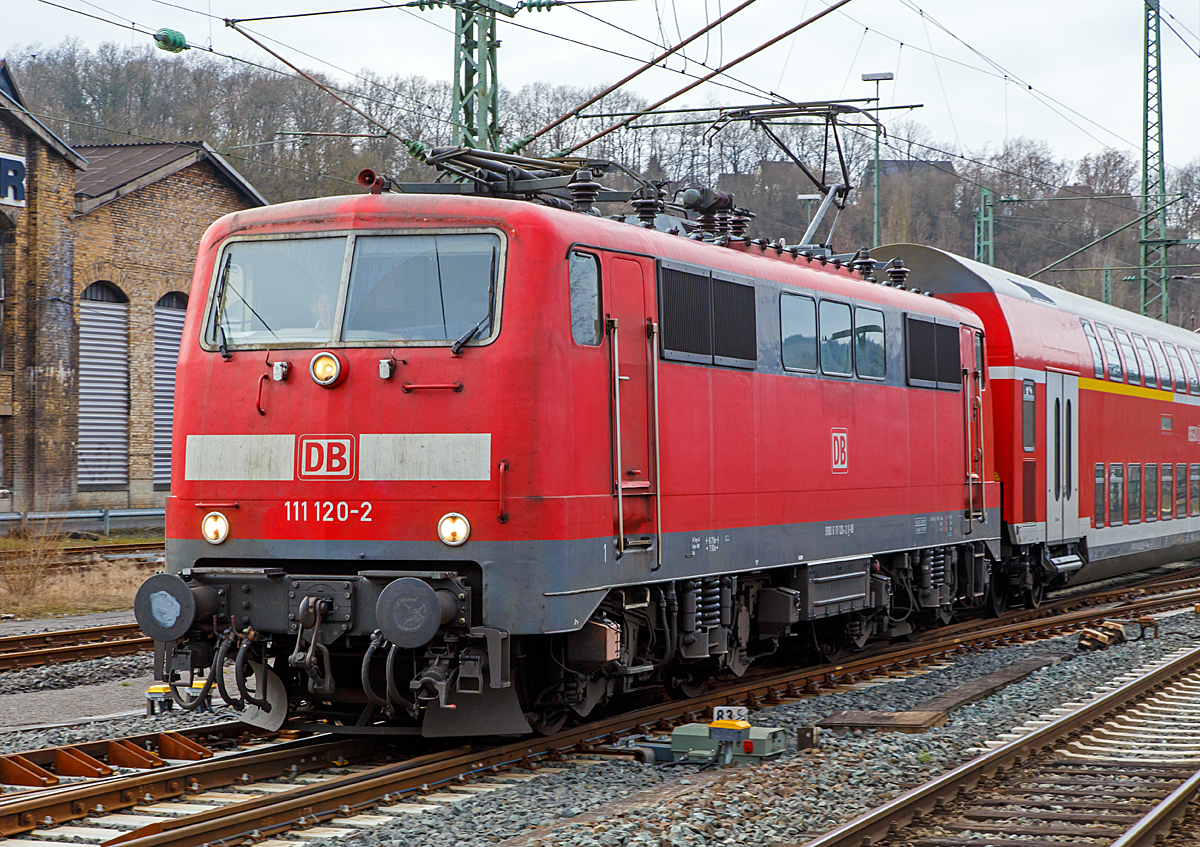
(435, 288)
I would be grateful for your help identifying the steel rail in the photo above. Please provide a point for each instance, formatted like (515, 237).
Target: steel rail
(87, 550)
(25, 651)
(25, 811)
(1148, 831)
(903, 810)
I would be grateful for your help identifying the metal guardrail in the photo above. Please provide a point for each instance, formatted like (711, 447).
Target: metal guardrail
(101, 516)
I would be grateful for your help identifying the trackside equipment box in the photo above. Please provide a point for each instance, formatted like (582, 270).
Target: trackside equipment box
(692, 742)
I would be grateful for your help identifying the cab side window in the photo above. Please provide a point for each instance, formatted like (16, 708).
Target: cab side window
(585, 299)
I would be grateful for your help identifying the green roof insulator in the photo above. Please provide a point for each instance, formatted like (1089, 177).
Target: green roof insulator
(518, 145)
(541, 5)
(429, 4)
(416, 149)
(170, 40)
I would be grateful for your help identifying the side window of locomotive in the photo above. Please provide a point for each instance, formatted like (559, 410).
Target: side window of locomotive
(835, 338)
(1147, 361)
(1116, 495)
(422, 287)
(1132, 371)
(1028, 416)
(1189, 367)
(1110, 353)
(1177, 369)
(979, 364)
(1100, 496)
(798, 328)
(1160, 364)
(585, 299)
(869, 355)
(1151, 511)
(1135, 493)
(933, 355)
(275, 291)
(1094, 346)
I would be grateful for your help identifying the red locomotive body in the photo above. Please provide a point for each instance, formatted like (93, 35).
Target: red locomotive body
(468, 466)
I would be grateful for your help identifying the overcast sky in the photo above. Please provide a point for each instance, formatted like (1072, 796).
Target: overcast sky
(970, 64)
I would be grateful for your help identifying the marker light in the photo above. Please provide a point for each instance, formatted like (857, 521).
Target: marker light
(214, 527)
(325, 369)
(453, 529)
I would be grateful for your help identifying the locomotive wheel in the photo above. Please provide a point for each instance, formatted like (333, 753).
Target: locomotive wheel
(1033, 596)
(685, 688)
(547, 721)
(997, 600)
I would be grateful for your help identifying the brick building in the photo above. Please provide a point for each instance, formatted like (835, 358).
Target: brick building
(97, 246)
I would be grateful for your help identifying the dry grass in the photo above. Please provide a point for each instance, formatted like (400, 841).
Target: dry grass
(36, 584)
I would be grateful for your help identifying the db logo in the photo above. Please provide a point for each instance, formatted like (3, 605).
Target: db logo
(841, 460)
(326, 457)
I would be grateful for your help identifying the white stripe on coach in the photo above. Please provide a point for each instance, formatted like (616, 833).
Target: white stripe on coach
(425, 456)
(240, 457)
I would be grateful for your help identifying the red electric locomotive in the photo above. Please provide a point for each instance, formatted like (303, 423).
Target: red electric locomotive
(454, 465)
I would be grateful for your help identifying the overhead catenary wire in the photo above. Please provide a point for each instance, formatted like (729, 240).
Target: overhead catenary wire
(806, 22)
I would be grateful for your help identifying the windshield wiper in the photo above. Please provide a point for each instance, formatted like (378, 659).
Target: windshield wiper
(220, 298)
(456, 347)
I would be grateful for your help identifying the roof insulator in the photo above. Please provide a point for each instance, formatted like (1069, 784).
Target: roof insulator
(864, 264)
(896, 272)
(583, 191)
(837, 264)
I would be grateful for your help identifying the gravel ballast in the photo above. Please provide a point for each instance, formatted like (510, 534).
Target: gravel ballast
(73, 674)
(620, 802)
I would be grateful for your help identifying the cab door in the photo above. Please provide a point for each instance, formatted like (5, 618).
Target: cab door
(1062, 457)
(631, 357)
(971, 356)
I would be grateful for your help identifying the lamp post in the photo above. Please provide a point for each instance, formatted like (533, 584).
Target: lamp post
(877, 78)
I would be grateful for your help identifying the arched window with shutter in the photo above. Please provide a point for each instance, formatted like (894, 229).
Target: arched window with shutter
(169, 313)
(103, 387)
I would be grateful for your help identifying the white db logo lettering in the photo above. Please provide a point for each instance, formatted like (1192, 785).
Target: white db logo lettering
(841, 452)
(326, 457)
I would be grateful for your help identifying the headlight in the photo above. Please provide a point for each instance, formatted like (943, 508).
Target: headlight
(325, 368)
(453, 529)
(214, 527)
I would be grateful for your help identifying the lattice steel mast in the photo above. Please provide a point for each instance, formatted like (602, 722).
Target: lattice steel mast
(1155, 296)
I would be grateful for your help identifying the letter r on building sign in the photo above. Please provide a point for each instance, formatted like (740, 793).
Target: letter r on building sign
(840, 451)
(326, 457)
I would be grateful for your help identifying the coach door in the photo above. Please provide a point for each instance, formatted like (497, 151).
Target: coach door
(1062, 456)
(971, 356)
(631, 357)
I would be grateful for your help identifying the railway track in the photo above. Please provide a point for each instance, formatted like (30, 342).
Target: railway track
(346, 799)
(1120, 769)
(72, 645)
(85, 551)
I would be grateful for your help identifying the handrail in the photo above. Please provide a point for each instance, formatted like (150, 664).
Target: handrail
(432, 386)
(502, 515)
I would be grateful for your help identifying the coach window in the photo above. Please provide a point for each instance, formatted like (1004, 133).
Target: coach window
(798, 327)
(585, 299)
(1151, 492)
(1100, 496)
(1110, 353)
(1166, 492)
(1116, 495)
(1135, 493)
(1160, 362)
(1132, 372)
(1028, 416)
(835, 338)
(1094, 346)
(1194, 489)
(1181, 493)
(1146, 360)
(1189, 368)
(1196, 357)
(869, 358)
(1177, 369)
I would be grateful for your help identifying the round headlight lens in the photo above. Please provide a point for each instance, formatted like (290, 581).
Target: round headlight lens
(454, 529)
(325, 369)
(214, 527)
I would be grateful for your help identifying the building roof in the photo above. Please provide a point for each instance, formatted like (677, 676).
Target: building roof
(119, 169)
(11, 102)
